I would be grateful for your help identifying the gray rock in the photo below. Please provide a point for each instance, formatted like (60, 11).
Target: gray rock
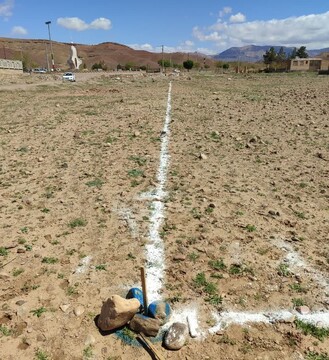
(116, 312)
(176, 336)
(304, 310)
(144, 324)
(64, 307)
(20, 302)
(90, 340)
(79, 310)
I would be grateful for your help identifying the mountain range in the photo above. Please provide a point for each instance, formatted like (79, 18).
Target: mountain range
(254, 53)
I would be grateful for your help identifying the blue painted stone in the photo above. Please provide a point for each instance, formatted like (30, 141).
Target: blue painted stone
(136, 293)
(159, 310)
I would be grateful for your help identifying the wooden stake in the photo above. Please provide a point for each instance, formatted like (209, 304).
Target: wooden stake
(144, 289)
(156, 353)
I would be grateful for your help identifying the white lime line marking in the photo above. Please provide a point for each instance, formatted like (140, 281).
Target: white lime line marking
(155, 252)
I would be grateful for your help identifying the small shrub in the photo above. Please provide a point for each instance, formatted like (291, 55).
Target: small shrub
(38, 312)
(77, 223)
(217, 264)
(3, 251)
(49, 260)
(135, 173)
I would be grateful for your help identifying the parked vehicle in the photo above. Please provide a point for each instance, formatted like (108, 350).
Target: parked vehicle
(69, 76)
(39, 70)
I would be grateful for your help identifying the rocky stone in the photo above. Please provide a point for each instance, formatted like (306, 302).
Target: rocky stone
(116, 312)
(64, 307)
(90, 340)
(203, 156)
(179, 257)
(136, 293)
(79, 310)
(21, 250)
(144, 324)
(22, 312)
(159, 310)
(304, 310)
(176, 336)
(20, 302)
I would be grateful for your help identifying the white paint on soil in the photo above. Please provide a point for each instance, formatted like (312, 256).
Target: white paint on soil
(83, 265)
(129, 218)
(243, 318)
(295, 261)
(155, 252)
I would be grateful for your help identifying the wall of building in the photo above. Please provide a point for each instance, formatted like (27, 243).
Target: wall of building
(11, 66)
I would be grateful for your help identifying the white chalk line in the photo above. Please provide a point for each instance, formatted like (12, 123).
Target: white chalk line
(155, 260)
(155, 252)
(294, 260)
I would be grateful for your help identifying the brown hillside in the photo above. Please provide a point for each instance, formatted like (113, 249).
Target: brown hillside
(34, 53)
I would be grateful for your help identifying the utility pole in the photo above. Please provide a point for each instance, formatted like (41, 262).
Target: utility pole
(51, 46)
(162, 61)
(47, 59)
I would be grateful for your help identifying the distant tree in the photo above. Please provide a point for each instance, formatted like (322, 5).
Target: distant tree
(99, 66)
(302, 53)
(166, 63)
(293, 54)
(188, 64)
(226, 66)
(281, 56)
(129, 66)
(270, 56)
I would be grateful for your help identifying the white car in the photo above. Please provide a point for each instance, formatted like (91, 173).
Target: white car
(69, 76)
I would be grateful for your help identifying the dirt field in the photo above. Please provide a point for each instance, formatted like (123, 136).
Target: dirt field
(246, 219)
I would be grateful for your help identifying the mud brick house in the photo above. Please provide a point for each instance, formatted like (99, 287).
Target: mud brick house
(310, 64)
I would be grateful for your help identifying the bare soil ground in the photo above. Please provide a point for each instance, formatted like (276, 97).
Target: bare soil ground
(246, 224)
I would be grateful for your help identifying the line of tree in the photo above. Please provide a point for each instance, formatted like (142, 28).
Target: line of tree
(271, 57)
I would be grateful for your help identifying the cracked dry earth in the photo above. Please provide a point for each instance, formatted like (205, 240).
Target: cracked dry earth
(246, 221)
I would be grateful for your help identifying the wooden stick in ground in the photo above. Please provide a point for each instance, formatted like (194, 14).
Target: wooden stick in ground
(151, 347)
(144, 289)
(3, 265)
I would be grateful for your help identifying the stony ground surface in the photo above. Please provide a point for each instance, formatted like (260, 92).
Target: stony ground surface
(246, 216)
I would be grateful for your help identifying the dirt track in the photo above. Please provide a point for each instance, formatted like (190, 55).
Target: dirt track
(246, 217)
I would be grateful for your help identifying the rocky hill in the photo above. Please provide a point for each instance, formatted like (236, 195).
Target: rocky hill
(35, 51)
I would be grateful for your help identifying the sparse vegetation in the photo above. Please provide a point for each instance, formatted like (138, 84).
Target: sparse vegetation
(38, 312)
(77, 223)
(309, 329)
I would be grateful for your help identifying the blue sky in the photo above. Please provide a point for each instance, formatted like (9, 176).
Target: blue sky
(207, 26)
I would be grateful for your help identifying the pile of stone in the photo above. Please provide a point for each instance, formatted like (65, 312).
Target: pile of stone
(117, 312)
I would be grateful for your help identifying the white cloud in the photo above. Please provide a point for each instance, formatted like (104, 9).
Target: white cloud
(101, 23)
(237, 18)
(146, 47)
(6, 8)
(309, 30)
(18, 30)
(226, 10)
(74, 23)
